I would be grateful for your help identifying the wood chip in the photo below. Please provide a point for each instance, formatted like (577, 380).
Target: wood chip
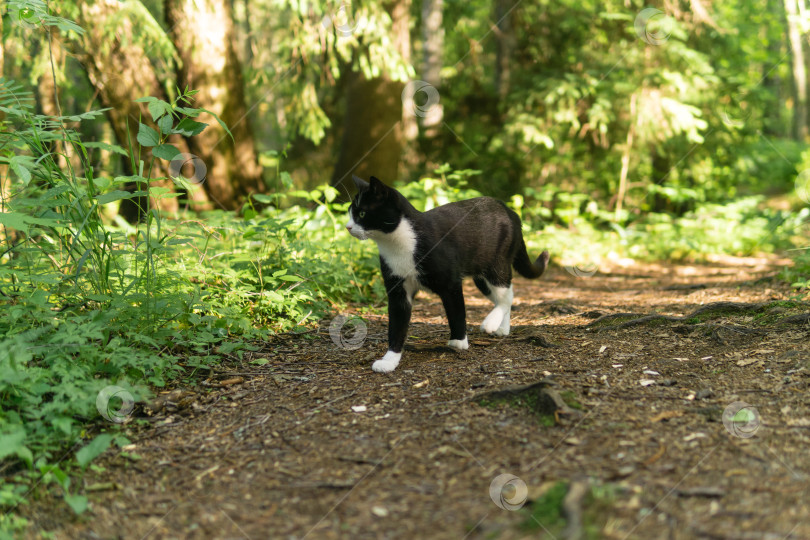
(748, 361)
(657, 455)
(666, 415)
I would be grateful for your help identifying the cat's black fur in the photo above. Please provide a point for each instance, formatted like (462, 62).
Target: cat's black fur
(479, 237)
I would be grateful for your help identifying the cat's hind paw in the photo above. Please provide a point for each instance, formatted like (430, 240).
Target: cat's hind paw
(387, 363)
(459, 344)
(492, 322)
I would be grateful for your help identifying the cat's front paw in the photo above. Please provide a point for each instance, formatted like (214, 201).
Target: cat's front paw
(387, 363)
(459, 344)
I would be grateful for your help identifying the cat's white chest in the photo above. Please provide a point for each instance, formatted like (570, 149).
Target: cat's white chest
(398, 250)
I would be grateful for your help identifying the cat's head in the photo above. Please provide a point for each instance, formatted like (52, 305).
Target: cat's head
(375, 210)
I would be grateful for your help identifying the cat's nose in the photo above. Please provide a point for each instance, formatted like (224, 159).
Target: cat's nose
(348, 227)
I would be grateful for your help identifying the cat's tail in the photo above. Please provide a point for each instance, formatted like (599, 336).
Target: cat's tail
(525, 267)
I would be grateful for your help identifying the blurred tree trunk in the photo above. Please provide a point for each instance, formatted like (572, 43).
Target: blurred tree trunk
(799, 70)
(372, 127)
(50, 98)
(202, 31)
(771, 80)
(120, 71)
(4, 179)
(433, 44)
(506, 45)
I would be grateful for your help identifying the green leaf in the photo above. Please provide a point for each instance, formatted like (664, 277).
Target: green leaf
(96, 447)
(113, 196)
(106, 146)
(20, 165)
(11, 443)
(330, 193)
(147, 136)
(14, 220)
(165, 151)
(159, 192)
(63, 424)
(221, 123)
(188, 127)
(77, 503)
(26, 455)
(265, 199)
(158, 108)
(290, 278)
(165, 124)
(188, 111)
(92, 115)
(146, 99)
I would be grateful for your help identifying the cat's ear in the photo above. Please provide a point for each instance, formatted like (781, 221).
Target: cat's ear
(359, 183)
(378, 188)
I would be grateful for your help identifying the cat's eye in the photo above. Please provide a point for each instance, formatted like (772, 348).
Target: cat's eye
(362, 215)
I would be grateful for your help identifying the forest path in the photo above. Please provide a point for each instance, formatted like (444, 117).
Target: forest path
(279, 450)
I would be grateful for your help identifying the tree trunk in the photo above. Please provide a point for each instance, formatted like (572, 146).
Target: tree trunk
(799, 71)
(433, 44)
(631, 131)
(373, 132)
(772, 81)
(202, 31)
(50, 98)
(120, 71)
(4, 179)
(506, 45)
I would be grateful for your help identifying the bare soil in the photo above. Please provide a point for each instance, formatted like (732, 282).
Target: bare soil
(285, 449)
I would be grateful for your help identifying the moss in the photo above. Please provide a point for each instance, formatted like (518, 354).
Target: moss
(522, 401)
(570, 399)
(545, 513)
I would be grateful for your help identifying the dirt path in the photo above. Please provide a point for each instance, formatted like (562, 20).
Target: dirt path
(282, 454)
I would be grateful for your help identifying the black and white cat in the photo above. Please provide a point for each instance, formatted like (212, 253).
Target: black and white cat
(434, 250)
